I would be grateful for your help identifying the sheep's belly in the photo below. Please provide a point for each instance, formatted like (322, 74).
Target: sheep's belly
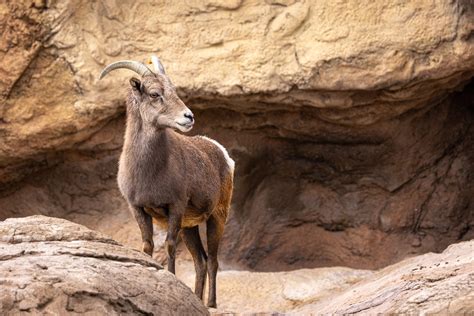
(191, 218)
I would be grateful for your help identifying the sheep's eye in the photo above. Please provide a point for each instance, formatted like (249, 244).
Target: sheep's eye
(154, 95)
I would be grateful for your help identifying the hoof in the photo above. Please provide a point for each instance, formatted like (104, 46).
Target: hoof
(147, 248)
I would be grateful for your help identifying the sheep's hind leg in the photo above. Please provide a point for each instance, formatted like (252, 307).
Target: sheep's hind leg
(193, 243)
(145, 224)
(215, 229)
(174, 226)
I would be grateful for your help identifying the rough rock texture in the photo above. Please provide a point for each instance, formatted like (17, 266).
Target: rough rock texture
(50, 266)
(245, 292)
(351, 122)
(439, 284)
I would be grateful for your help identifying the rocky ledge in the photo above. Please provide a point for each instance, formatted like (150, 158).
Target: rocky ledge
(428, 284)
(441, 284)
(52, 266)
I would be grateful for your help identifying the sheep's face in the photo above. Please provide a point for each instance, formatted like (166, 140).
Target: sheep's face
(159, 105)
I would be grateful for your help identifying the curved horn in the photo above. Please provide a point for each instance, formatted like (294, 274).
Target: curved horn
(156, 64)
(136, 66)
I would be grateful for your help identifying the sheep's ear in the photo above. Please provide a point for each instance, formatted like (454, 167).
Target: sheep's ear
(136, 84)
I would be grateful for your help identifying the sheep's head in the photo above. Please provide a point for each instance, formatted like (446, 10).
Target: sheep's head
(155, 96)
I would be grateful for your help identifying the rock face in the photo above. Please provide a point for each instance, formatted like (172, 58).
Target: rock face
(52, 266)
(350, 122)
(441, 284)
(429, 284)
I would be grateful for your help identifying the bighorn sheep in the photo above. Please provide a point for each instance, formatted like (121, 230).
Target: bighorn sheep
(179, 181)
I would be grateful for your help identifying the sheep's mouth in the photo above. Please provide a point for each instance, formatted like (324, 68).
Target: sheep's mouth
(185, 127)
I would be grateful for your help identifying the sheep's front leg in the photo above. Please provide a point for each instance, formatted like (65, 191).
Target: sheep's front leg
(174, 226)
(145, 224)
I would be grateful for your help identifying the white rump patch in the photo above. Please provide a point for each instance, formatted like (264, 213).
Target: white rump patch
(229, 160)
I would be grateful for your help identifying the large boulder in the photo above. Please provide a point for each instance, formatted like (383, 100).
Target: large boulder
(351, 122)
(52, 266)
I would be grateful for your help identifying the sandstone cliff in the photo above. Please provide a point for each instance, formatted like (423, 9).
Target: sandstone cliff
(351, 122)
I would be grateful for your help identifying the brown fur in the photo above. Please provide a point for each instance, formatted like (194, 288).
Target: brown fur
(180, 181)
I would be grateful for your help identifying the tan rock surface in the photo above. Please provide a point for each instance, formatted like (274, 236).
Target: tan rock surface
(50, 266)
(429, 284)
(295, 54)
(269, 292)
(351, 122)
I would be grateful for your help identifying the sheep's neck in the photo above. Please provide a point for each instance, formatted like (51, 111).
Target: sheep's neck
(145, 143)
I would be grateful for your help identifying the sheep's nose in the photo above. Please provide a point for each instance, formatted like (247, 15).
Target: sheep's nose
(189, 116)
